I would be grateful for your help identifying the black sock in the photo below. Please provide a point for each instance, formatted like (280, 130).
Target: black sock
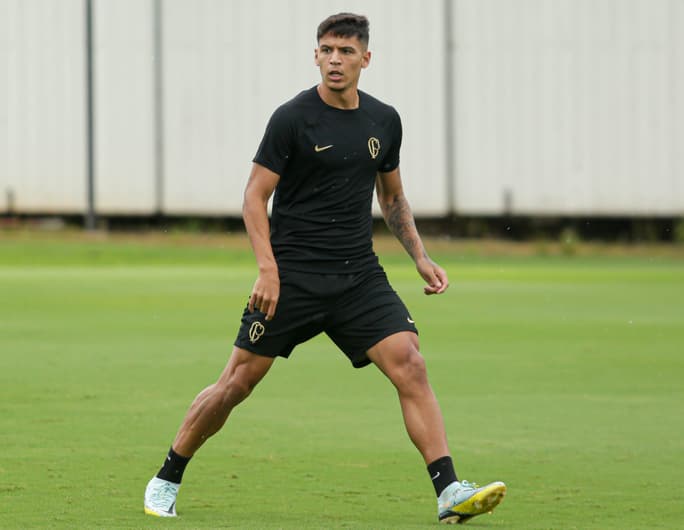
(173, 467)
(442, 473)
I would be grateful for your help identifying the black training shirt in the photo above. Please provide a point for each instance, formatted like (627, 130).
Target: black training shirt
(327, 159)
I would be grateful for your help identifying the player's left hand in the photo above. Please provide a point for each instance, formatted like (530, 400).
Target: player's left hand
(434, 275)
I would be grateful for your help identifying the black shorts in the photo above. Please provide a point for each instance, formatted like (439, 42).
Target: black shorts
(355, 310)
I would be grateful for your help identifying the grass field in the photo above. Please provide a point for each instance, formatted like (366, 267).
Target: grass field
(562, 376)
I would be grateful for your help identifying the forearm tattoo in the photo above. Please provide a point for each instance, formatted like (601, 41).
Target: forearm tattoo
(400, 221)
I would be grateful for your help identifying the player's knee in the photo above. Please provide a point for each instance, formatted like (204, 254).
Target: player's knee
(411, 371)
(234, 390)
(416, 366)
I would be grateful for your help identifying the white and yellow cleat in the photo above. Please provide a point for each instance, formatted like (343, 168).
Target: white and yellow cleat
(160, 498)
(463, 500)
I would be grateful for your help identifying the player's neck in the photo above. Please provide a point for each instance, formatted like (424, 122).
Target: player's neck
(346, 100)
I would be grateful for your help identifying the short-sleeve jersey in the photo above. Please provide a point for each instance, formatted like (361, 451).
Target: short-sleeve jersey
(327, 159)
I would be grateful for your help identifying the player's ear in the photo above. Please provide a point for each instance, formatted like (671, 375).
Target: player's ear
(316, 57)
(365, 59)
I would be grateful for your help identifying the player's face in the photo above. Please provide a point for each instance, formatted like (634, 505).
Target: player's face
(340, 60)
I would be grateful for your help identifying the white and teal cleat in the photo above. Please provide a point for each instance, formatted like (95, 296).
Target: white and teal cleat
(160, 498)
(461, 501)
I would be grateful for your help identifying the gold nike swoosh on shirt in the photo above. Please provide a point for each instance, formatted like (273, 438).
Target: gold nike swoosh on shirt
(319, 149)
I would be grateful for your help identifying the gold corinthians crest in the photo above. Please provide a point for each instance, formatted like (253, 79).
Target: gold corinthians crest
(373, 147)
(256, 331)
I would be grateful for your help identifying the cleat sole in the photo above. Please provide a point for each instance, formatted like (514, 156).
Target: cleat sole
(150, 511)
(482, 502)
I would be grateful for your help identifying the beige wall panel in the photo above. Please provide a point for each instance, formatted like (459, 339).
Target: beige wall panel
(124, 106)
(569, 107)
(42, 143)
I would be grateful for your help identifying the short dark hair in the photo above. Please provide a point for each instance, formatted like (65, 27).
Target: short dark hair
(345, 25)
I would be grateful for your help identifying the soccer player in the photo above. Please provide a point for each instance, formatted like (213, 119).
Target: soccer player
(323, 154)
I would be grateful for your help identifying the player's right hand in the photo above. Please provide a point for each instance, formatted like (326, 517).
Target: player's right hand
(265, 293)
(435, 276)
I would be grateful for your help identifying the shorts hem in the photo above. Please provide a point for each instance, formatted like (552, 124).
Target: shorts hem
(262, 354)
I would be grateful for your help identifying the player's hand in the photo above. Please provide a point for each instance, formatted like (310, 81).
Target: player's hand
(434, 275)
(265, 293)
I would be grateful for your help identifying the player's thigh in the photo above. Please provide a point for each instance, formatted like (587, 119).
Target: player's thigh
(245, 367)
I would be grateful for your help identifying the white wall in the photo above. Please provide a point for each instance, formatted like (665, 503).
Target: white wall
(124, 106)
(572, 107)
(42, 119)
(565, 106)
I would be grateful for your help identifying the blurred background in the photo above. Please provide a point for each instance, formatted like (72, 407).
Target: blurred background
(519, 115)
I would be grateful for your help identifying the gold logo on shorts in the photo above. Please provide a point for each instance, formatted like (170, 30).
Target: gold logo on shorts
(256, 331)
(373, 147)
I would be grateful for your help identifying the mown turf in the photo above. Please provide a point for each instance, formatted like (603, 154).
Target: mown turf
(560, 375)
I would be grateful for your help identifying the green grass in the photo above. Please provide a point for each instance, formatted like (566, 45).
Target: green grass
(560, 375)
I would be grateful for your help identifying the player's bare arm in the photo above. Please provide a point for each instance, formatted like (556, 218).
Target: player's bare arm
(399, 218)
(266, 290)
